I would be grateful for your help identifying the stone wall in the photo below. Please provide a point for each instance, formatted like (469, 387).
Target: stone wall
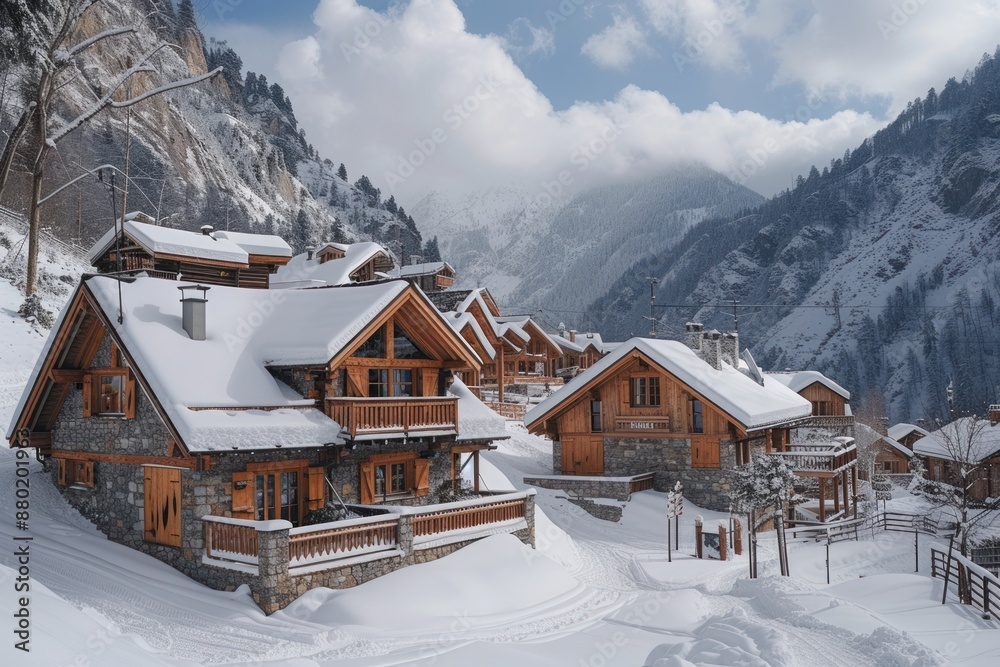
(616, 489)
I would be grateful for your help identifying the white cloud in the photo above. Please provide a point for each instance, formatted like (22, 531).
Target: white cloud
(618, 45)
(417, 103)
(703, 31)
(525, 39)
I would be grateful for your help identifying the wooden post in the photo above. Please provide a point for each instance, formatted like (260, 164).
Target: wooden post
(475, 470)
(697, 536)
(822, 500)
(986, 598)
(847, 497)
(947, 571)
(670, 551)
(836, 496)
(500, 372)
(722, 542)
(854, 488)
(737, 537)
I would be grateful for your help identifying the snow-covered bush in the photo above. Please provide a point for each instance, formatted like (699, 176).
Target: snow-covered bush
(33, 311)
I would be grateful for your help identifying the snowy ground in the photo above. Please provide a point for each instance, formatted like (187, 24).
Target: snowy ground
(594, 593)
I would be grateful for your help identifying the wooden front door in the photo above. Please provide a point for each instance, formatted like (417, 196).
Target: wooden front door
(583, 455)
(162, 505)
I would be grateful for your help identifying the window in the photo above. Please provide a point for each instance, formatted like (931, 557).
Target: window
(822, 408)
(595, 416)
(697, 417)
(378, 382)
(402, 382)
(73, 472)
(403, 346)
(645, 392)
(109, 392)
(387, 475)
(280, 490)
(374, 347)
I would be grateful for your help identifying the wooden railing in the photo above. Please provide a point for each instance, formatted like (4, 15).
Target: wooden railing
(641, 483)
(230, 539)
(642, 424)
(508, 410)
(459, 518)
(973, 584)
(443, 282)
(404, 416)
(804, 459)
(348, 538)
(532, 379)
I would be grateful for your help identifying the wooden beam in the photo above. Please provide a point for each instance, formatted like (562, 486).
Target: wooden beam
(128, 459)
(66, 375)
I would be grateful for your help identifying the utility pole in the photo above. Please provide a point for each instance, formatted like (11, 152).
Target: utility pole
(652, 305)
(736, 318)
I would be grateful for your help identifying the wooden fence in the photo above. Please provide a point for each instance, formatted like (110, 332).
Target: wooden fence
(641, 483)
(972, 584)
(515, 411)
(460, 518)
(322, 542)
(231, 539)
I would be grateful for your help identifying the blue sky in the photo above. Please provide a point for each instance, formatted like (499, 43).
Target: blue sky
(758, 89)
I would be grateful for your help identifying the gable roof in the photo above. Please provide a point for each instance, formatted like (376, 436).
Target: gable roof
(952, 441)
(303, 272)
(448, 300)
(427, 268)
(267, 245)
(459, 321)
(799, 380)
(752, 405)
(895, 444)
(900, 431)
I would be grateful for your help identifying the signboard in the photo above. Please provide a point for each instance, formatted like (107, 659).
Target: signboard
(675, 505)
(711, 546)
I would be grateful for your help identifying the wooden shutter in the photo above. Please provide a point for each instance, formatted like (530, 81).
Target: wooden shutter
(429, 378)
(367, 483)
(162, 492)
(62, 472)
(243, 498)
(86, 476)
(129, 398)
(704, 452)
(88, 394)
(624, 397)
(421, 468)
(317, 488)
(357, 381)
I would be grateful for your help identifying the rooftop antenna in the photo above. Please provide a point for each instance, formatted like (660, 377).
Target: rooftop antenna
(736, 318)
(118, 246)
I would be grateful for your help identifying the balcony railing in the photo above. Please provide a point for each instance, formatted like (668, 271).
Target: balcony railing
(231, 539)
(819, 459)
(513, 411)
(330, 541)
(394, 416)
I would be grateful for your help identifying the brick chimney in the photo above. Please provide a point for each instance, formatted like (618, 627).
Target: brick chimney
(731, 349)
(572, 335)
(694, 331)
(711, 348)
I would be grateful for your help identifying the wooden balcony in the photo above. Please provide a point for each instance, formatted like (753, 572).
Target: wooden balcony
(394, 417)
(820, 460)
(443, 282)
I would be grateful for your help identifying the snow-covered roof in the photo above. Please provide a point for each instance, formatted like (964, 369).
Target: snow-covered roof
(583, 341)
(752, 405)
(565, 344)
(247, 331)
(168, 241)
(258, 244)
(475, 420)
(900, 431)
(459, 321)
(427, 268)
(965, 439)
(898, 446)
(799, 380)
(302, 272)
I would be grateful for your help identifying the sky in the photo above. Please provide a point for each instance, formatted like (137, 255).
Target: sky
(554, 95)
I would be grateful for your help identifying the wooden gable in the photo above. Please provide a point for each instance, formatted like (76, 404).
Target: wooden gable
(825, 401)
(426, 328)
(619, 416)
(68, 361)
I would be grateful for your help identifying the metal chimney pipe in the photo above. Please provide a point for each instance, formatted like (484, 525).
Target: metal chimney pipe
(193, 310)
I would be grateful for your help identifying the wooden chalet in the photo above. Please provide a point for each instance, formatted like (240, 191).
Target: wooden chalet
(209, 257)
(428, 276)
(579, 351)
(907, 434)
(891, 456)
(969, 443)
(536, 356)
(336, 264)
(207, 432)
(683, 414)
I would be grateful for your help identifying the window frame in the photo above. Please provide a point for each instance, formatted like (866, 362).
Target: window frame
(596, 416)
(76, 473)
(697, 414)
(645, 391)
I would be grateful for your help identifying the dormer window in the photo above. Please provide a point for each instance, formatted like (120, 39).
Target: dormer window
(109, 392)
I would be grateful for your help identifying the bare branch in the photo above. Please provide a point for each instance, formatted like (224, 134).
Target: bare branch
(169, 86)
(87, 43)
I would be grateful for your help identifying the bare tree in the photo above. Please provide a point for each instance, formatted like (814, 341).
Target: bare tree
(965, 445)
(57, 52)
(764, 485)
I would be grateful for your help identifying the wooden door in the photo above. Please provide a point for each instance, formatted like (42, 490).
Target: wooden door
(162, 496)
(277, 496)
(582, 455)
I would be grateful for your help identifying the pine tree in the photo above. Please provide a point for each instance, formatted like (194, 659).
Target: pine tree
(342, 172)
(390, 205)
(301, 232)
(185, 16)
(431, 251)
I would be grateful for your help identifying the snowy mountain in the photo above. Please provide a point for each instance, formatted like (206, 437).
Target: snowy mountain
(226, 152)
(883, 270)
(562, 257)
